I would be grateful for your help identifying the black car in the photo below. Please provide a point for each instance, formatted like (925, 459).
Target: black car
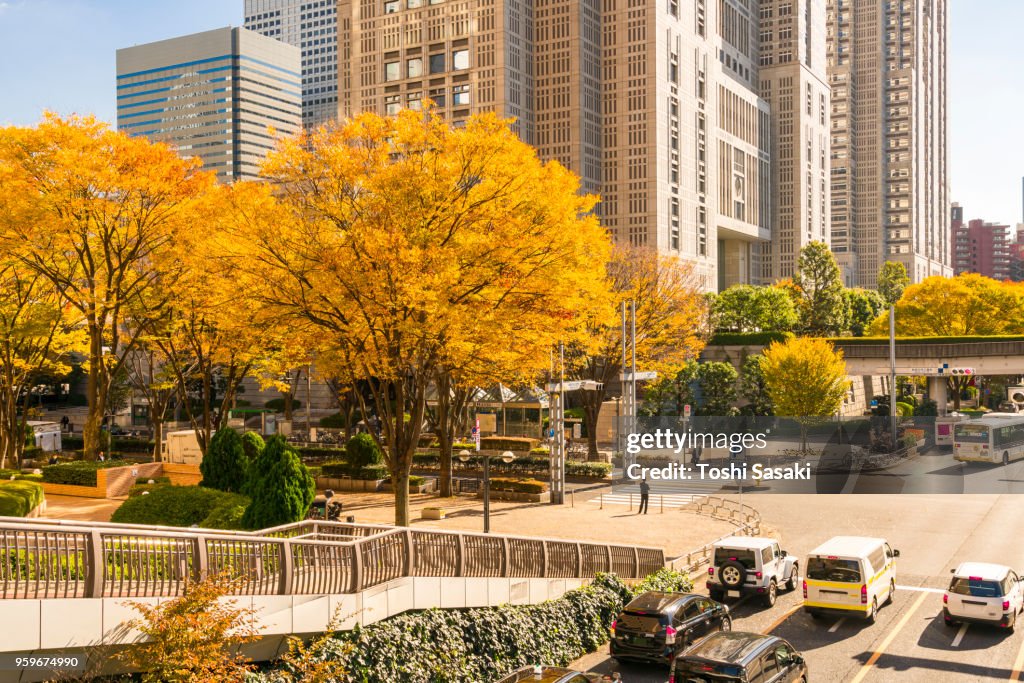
(656, 626)
(737, 657)
(548, 674)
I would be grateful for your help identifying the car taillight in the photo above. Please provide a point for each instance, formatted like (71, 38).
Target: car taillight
(711, 571)
(614, 623)
(945, 598)
(1006, 605)
(670, 635)
(864, 594)
(758, 574)
(805, 590)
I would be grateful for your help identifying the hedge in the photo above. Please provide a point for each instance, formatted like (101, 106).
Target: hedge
(278, 404)
(518, 485)
(318, 453)
(531, 465)
(5, 475)
(343, 469)
(18, 498)
(180, 506)
(748, 338)
(483, 644)
(118, 445)
(508, 443)
(78, 472)
(966, 339)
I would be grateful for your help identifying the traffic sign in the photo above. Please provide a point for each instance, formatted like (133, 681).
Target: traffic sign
(650, 374)
(686, 410)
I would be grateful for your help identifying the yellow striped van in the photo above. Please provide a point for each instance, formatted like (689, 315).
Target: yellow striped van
(849, 576)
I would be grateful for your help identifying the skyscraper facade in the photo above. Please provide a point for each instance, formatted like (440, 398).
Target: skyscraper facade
(654, 104)
(312, 26)
(793, 80)
(216, 95)
(890, 201)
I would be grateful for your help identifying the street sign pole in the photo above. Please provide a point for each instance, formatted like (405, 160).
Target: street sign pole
(558, 422)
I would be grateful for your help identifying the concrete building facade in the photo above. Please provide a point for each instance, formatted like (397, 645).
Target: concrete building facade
(981, 247)
(215, 95)
(890, 201)
(653, 103)
(794, 81)
(311, 26)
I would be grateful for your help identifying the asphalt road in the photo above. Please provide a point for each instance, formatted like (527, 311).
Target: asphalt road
(909, 642)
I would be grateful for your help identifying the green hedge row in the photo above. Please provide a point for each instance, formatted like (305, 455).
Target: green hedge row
(532, 465)
(118, 445)
(18, 498)
(6, 475)
(483, 644)
(748, 338)
(518, 485)
(183, 506)
(79, 472)
(343, 469)
(862, 341)
(516, 444)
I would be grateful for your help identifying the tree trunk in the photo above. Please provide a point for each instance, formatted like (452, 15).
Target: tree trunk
(400, 483)
(592, 402)
(445, 437)
(288, 400)
(94, 417)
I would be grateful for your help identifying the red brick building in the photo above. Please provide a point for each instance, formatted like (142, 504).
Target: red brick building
(980, 247)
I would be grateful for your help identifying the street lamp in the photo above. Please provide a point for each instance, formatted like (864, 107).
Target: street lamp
(507, 456)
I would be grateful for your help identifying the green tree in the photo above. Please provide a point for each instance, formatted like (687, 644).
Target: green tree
(824, 309)
(865, 305)
(746, 308)
(224, 465)
(806, 380)
(892, 280)
(717, 382)
(362, 451)
(252, 444)
(753, 388)
(281, 488)
(668, 396)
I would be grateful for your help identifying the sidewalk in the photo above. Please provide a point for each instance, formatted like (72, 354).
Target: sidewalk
(82, 509)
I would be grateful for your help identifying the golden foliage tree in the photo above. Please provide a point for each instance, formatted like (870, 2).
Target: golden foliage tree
(671, 315)
(102, 216)
(806, 379)
(396, 246)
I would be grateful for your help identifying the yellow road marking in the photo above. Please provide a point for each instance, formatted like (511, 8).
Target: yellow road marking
(888, 640)
(1018, 666)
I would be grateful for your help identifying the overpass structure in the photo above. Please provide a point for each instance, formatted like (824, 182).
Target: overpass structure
(65, 583)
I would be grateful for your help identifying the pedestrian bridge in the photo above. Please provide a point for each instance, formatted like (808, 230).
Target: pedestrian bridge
(65, 583)
(987, 356)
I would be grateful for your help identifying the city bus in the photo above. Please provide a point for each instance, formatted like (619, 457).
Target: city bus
(996, 438)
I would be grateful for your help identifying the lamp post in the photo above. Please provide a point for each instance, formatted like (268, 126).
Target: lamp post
(507, 456)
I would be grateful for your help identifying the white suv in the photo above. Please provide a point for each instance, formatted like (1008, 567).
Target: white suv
(983, 593)
(746, 564)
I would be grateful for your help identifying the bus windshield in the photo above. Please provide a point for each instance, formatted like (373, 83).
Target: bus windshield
(971, 433)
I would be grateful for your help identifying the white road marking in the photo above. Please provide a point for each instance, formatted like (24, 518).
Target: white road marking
(920, 589)
(835, 626)
(960, 635)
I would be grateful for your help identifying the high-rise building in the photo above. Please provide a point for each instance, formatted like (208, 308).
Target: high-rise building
(216, 95)
(653, 103)
(887, 70)
(793, 80)
(983, 248)
(312, 26)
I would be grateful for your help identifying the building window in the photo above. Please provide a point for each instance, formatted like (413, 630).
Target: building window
(390, 6)
(414, 67)
(460, 59)
(437, 64)
(392, 71)
(413, 4)
(414, 101)
(460, 95)
(438, 96)
(391, 105)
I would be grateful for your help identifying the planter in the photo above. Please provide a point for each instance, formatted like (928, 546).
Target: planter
(350, 485)
(429, 486)
(519, 497)
(432, 513)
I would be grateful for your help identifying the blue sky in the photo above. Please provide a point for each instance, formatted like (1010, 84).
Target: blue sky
(59, 54)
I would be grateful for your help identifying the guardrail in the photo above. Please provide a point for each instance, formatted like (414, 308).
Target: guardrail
(746, 519)
(68, 559)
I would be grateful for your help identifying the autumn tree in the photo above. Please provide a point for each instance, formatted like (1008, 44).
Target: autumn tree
(748, 308)
(99, 215)
(670, 315)
(822, 306)
(395, 245)
(806, 379)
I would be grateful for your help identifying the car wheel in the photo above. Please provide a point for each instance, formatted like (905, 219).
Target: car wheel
(794, 578)
(726, 624)
(892, 591)
(874, 611)
(769, 597)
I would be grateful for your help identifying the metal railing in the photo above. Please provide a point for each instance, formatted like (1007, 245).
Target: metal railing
(69, 559)
(746, 519)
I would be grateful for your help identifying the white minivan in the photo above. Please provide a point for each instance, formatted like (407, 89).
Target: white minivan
(849, 576)
(980, 592)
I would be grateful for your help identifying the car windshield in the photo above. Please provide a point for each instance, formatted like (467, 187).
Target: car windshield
(976, 587)
(744, 557)
(833, 569)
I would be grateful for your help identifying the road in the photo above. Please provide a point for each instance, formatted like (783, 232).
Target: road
(908, 643)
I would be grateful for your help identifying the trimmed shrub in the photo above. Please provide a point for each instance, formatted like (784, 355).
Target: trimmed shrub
(281, 487)
(515, 444)
(117, 444)
(362, 451)
(748, 338)
(227, 515)
(277, 404)
(335, 421)
(927, 408)
(542, 450)
(169, 505)
(416, 480)
(904, 409)
(321, 453)
(224, 465)
(18, 498)
(78, 472)
(518, 485)
(252, 444)
(596, 470)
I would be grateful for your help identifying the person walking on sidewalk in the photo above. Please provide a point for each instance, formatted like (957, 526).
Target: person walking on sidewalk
(645, 494)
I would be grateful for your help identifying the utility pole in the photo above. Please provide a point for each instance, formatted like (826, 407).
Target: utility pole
(558, 423)
(892, 373)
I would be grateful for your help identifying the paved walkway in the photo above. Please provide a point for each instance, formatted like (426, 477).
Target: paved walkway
(83, 509)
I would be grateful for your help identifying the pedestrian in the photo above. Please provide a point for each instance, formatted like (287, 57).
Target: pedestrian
(101, 458)
(53, 458)
(645, 494)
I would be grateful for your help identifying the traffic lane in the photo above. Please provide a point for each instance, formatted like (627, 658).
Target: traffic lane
(996, 538)
(925, 650)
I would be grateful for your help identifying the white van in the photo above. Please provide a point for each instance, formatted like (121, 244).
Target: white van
(849, 575)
